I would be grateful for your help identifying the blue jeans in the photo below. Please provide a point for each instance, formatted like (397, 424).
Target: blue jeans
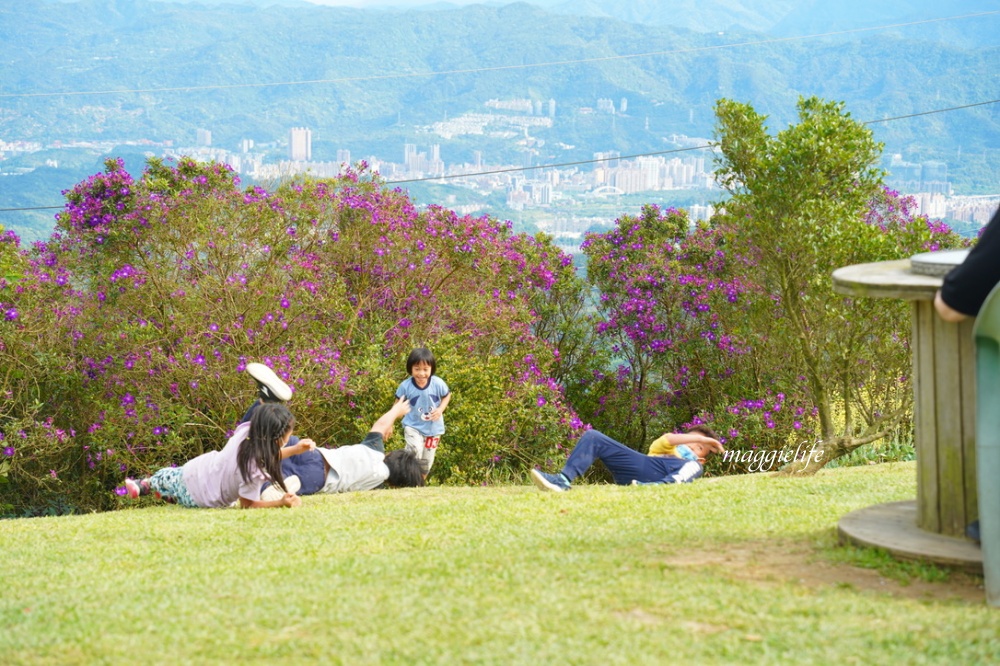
(625, 464)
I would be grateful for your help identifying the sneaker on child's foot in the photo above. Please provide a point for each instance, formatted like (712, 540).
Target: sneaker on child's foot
(292, 484)
(554, 482)
(135, 488)
(272, 492)
(269, 385)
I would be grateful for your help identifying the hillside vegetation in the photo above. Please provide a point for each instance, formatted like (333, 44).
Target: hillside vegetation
(372, 81)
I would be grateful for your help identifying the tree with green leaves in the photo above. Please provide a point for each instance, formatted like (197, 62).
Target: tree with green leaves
(804, 202)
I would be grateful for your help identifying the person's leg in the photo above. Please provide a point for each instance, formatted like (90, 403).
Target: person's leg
(272, 492)
(625, 464)
(247, 415)
(270, 387)
(168, 484)
(430, 450)
(417, 443)
(414, 441)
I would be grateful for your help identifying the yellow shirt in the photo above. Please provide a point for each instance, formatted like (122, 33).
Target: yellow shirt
(662, 447)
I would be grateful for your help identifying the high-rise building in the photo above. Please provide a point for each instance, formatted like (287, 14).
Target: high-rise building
(435, 165)
(610, 158)
(204, 138)
(300, 144)
(411, 160)
(541, 193)
(649, 167)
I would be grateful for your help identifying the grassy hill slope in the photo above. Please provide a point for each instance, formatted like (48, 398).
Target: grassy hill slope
(732, 570)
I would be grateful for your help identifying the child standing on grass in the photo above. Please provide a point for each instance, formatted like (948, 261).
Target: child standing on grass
(251, 457)
(428, 396)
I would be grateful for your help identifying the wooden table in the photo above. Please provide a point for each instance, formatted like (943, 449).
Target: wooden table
(944, 386)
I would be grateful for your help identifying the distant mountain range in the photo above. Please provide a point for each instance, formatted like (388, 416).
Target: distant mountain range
(369, 80)
(774, 17)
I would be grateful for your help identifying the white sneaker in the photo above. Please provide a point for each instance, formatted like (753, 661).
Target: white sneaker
(269, 385)
(273, 492)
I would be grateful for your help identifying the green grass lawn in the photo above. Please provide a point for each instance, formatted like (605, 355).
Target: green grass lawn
(506, 575)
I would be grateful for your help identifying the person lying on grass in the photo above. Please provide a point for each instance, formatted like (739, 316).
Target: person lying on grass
(237, 472)
(628, 466)
(354, 467)
(363, 466)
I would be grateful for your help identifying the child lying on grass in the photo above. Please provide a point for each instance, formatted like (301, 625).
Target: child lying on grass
(237, 472)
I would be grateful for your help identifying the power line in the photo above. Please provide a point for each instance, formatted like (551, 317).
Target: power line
(384, 77)
(591, 161)
(10, 210)
(927, 113)
(547, 166)
(662, 152)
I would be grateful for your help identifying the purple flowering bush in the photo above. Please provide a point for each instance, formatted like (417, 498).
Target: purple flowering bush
(135, 320)
(123, 337)
(699, 333)
(674, 306)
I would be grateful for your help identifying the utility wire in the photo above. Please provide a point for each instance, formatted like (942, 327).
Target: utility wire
(662, 152)
(592, 161)
(499, 68)
(927, 113)
(547, 166)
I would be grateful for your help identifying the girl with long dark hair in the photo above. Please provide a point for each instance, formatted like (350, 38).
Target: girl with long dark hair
(251, 458)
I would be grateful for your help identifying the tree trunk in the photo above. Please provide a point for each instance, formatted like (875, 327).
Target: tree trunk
(826, 451)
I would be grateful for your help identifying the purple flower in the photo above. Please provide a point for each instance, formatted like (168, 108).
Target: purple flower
(121, 491)
(8, 451)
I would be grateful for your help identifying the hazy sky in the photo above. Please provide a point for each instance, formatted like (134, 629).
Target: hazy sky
(415, 3)
(391, 3)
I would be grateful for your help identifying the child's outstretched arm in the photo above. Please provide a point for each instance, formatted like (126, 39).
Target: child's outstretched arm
(301, 446)
(288, 500)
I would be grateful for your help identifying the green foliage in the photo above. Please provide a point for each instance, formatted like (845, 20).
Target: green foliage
(888, 450)
(804, 202)
(136, 317)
